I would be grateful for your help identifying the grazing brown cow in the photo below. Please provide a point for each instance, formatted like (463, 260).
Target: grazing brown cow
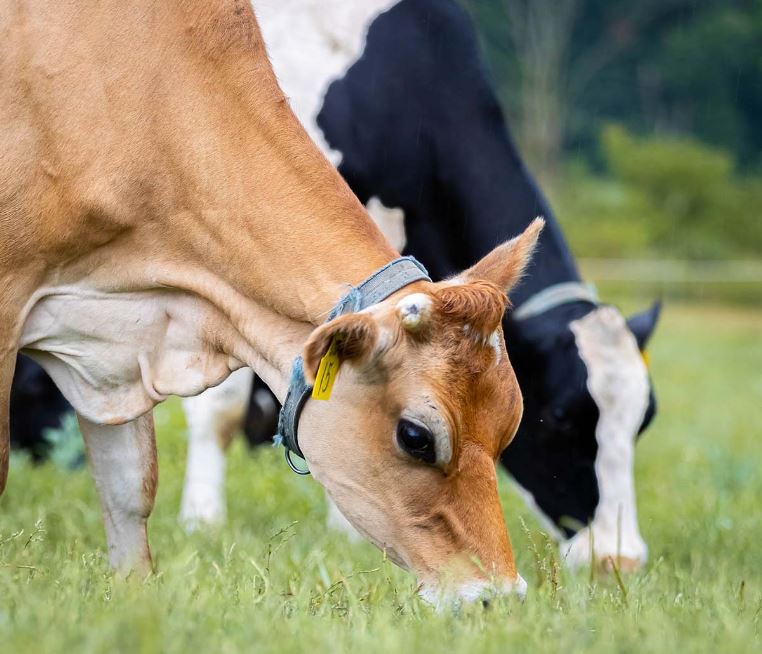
(165, 220)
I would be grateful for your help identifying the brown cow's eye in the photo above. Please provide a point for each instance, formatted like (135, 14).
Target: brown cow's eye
(416, 440)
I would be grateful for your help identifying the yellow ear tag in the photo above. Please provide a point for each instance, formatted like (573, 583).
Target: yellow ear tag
(646, 358)
(327, 372)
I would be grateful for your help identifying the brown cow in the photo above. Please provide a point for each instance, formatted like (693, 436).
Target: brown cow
(164, 220)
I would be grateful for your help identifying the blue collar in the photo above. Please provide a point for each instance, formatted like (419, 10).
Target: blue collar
(380, 285)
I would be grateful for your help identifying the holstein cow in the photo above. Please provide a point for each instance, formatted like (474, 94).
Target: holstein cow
(165, 220)
(400, 101)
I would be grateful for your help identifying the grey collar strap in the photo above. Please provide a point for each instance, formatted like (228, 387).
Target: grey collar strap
(379, 286)
(554, 296)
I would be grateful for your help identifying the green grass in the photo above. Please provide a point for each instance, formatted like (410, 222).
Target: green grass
(275, 580)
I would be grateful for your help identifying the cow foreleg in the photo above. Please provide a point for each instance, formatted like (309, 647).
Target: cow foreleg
(122, 459)
(213, 418)
(7, 366)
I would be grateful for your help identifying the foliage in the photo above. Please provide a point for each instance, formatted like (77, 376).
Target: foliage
(711, 72)
(674, 67)
(274, 580)
(67, 449)
(673, 198)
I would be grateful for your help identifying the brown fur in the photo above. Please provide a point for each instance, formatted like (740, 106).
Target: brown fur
(480, 305)
(148, 149)
(506, 264)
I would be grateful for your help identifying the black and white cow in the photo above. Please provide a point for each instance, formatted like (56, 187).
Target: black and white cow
(397, 95)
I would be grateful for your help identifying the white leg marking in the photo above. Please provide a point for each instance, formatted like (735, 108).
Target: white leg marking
(122, 459)
(213, 417)
(618, 382)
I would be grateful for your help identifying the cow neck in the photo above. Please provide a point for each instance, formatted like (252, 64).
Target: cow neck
(279, 266)
(264, 210)
(300, 273)
(229, 182)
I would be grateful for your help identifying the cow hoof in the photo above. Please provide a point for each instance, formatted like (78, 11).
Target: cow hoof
(621, 564)
(199, 512)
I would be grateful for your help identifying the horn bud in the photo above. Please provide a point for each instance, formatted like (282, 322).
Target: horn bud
(414, 311)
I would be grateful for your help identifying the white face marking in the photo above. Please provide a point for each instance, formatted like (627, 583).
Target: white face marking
(493, 339)
(311, 43)
(414, 310)
(618, 382)
(496, 341)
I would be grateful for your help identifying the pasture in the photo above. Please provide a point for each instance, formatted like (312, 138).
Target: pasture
(275, 580)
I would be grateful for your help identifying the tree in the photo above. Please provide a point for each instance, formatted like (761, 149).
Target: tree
(540, 31)
(566, 65)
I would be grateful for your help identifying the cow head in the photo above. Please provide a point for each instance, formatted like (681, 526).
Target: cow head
(425, 402)
(574, 454)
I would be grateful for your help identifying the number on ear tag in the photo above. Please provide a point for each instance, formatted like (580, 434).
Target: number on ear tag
(327, 371)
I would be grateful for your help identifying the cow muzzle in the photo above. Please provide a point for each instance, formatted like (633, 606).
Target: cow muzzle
(453, 596)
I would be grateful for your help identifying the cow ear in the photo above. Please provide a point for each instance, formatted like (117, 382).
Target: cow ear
(355, 336)
(505, 265)
(643, 324)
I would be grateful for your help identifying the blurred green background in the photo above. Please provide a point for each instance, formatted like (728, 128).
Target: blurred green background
(643, 122)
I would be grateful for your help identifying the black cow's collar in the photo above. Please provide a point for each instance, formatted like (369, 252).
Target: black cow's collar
(380, 285)
(554, 296)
